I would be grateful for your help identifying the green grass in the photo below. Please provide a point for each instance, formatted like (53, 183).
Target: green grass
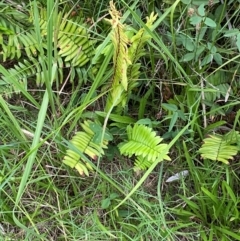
(43, 199)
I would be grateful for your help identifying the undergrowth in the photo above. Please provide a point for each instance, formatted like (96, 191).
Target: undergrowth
(119, 121)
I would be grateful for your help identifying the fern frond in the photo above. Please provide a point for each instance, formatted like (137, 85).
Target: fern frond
(87, 142)
(120, 42)
(74, 43)
(144, 143)
(141, 163)
(29, 68)
(29, 43)
(219, 83)
(127, 50)
(136, 50)
(139, 40)
(120, 58)
(220, 148)
(9, 41)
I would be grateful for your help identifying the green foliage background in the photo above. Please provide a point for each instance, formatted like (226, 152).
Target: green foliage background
(95, 96)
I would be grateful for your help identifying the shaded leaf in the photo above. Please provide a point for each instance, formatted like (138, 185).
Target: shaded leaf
(187, 57)
(231, 32)
(209, 22)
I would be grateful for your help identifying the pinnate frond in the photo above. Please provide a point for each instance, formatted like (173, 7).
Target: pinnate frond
(90, 142)
(145, 144)
(221, 148)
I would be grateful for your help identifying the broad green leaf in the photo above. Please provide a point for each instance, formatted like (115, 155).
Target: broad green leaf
(173, 121)
(199, 2)
(212, 48)
(207, 59)
(194, 20)
(231, 32)
(218, 58)
(200, 49)
(209, 22)
(187, 43)
(202, 33)
(145, 121)
(98, 130)
(181, 115)
(201, 10)
(238, 42)
(117, 118)
(214, 126)
(187, 57)
(170, 107)
(186, 1)
(113, 195)
(105, 203)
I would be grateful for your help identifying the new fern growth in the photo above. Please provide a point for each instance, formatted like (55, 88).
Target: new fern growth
(127, 52)
(121, 60)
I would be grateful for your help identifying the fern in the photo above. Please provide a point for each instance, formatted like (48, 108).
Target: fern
(221, 148)
(127, 52)
(74, 50)
(218, 82)
(136, 50)
(12, 24)
(141, 163)
(120, 58)
(29, 68)
(143, 143)
(89, 142)
(74, 43)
